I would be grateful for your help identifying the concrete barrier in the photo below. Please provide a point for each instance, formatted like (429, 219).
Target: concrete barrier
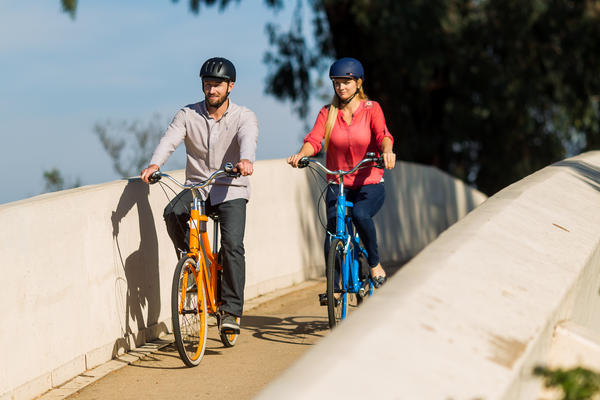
(513, 285)
(86, 273)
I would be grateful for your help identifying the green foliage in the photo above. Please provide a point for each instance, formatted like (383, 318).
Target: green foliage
(54, 181)
(488, 90)
(69, 6)
(576, 384)
(129, 144)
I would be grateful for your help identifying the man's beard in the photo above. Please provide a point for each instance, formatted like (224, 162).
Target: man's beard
(216, 102)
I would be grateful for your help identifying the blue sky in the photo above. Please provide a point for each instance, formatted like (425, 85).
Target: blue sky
(121, 61)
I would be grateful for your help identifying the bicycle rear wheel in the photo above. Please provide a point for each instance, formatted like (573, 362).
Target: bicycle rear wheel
(336, 294)
(188, 312)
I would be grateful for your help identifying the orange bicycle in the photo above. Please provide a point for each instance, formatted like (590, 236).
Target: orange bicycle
(195, 293)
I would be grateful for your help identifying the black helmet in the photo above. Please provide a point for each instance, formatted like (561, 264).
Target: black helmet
(218, 67)
(347, 68)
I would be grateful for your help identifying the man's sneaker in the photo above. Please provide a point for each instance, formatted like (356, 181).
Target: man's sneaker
(229, 324)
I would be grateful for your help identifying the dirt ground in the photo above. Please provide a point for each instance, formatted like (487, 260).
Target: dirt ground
(273, 336)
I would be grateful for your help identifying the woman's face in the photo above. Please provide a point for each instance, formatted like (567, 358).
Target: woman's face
(345, 87)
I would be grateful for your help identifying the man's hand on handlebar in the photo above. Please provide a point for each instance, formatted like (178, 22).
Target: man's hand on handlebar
(244, 167)
(148, 171)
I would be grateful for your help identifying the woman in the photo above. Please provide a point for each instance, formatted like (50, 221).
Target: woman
(350, 127)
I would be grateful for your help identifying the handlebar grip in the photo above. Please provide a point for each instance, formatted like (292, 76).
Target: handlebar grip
(230, 170)
(303, 162)
(155, 177)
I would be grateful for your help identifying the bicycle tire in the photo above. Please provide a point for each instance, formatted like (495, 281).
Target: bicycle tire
(190, 326)
(335, 307)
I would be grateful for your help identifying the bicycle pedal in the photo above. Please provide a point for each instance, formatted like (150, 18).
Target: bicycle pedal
(323, 299)
(230, 331)
(364, 289)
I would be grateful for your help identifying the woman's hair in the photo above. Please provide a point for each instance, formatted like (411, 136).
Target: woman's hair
(334, 108)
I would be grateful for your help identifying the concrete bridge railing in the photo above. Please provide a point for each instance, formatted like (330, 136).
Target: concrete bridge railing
(86, 273)
(513, 285)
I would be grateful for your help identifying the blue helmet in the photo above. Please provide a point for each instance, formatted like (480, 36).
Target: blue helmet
(347, 67)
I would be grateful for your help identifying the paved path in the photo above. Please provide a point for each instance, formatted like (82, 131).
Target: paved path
(273, 335)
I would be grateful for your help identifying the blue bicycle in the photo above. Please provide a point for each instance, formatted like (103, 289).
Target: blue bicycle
(346, 268)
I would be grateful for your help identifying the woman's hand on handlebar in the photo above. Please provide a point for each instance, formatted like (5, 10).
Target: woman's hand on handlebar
(307, 150)
(389, 159)
(293, 160)
(148, 171)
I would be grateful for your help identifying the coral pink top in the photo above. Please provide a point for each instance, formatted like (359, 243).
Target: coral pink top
(348, 144)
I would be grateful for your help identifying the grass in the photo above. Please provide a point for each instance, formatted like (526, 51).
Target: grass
(576, 383)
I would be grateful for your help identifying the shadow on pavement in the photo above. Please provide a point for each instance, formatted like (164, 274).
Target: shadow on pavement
(291, 330)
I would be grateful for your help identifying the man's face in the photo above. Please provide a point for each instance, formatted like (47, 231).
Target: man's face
(215, 90)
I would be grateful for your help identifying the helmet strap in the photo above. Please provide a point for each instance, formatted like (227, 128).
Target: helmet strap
(349, 99)
(224, 100)
(226, 96)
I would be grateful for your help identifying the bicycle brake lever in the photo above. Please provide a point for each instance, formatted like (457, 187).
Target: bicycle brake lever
(231, 171)
(303, 162)
(155, 177)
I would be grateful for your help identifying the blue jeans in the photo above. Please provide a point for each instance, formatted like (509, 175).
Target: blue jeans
(367, 201)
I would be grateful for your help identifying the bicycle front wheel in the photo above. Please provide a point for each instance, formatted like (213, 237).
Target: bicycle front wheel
(188, 312)
(336, 295)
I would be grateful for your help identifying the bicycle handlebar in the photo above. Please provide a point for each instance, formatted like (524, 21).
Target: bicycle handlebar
(369, 157)
(228, 170)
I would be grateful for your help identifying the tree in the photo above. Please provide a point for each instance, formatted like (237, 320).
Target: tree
(54, 181)
(129, 144)
(488, 90)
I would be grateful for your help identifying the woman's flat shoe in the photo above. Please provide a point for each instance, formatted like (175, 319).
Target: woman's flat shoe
(378, 281)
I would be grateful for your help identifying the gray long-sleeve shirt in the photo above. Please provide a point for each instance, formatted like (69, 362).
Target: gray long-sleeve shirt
(209, 144)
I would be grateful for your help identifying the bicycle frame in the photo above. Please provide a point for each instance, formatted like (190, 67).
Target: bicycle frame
(344, 231)
(201, 251)
(189, 313)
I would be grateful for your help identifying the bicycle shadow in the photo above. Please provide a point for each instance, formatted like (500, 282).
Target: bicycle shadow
(289, 330)
(159, 359)
(138, 276)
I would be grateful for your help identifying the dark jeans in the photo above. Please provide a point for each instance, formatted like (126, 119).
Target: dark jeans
(367, 201)
(232, 220)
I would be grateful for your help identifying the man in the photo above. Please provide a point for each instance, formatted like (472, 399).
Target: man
(215, 131)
